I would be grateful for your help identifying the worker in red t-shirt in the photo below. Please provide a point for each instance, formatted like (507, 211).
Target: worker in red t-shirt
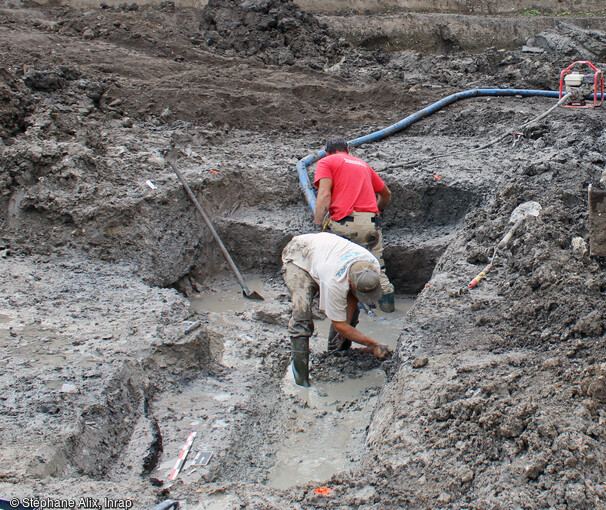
(353, 195)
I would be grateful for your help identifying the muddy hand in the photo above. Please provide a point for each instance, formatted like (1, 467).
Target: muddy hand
(381, 351)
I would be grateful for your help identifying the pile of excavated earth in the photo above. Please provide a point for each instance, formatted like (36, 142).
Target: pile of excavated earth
(113, 353)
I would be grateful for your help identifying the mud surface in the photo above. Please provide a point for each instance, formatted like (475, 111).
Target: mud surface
(496, 395)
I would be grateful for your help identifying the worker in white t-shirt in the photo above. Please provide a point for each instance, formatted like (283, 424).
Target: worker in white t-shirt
(343, 273)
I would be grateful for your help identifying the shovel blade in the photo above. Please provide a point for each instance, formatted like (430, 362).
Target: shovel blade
(597, 222)
(530, 208)
(252, 295)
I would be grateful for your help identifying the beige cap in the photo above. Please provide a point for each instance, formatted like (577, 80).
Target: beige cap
(364, 277)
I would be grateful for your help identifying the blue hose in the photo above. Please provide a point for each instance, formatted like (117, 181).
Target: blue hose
(302, 165)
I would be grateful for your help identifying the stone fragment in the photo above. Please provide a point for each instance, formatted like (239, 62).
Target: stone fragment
(419, 362)
(444, 498)
(69, 388)
(536, 467)
(551, 363)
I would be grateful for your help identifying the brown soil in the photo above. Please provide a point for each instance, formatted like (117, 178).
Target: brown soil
(107, 365)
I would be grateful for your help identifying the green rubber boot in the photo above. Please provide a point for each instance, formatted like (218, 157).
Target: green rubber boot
(300, 359)
(386, 303)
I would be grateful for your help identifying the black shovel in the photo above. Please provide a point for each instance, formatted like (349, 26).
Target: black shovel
(245, 292)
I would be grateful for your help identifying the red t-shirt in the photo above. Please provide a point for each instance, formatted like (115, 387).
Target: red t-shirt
(354, 184)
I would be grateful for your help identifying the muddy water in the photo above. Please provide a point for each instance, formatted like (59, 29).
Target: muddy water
(226, 296)
(324, 447)
(326, 432)
(384, 327)
(322, 438)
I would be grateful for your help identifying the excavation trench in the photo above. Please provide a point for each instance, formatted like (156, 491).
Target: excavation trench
(227, 377)
(260, 426)
(217, 365)
(223, 371)
(249, 416)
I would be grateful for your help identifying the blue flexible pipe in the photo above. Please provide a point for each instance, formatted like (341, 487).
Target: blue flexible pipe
(302, 165)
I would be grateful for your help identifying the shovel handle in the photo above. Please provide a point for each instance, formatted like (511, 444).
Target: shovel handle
(367, 310)
(211, 228)
(509, 234)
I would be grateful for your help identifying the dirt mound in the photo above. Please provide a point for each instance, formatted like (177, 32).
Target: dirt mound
(277, 32)
(571, 42)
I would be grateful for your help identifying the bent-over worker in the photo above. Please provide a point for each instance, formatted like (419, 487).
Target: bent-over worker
(353, 194)
(343, 273)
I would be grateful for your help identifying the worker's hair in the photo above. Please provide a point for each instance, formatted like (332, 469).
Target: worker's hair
(336, 145)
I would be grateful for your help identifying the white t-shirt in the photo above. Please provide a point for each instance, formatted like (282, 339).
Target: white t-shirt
(327, 257)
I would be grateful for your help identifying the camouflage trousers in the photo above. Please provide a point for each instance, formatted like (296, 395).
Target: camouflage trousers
(302, 289)
(364, 231)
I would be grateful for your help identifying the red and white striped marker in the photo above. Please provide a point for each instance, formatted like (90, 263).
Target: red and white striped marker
(181, 460)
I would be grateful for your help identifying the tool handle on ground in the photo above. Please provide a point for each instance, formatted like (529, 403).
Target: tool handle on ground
(477, 279)
(211, 228)
(509, 234)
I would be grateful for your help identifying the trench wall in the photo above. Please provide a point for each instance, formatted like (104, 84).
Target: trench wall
(440, 33)
(490, 7)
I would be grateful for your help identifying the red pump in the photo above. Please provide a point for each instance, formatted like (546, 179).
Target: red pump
(579, 86)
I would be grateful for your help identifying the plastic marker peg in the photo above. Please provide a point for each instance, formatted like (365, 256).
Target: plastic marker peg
(181, 460)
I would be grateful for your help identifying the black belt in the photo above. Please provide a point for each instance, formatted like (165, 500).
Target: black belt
(342, 221)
